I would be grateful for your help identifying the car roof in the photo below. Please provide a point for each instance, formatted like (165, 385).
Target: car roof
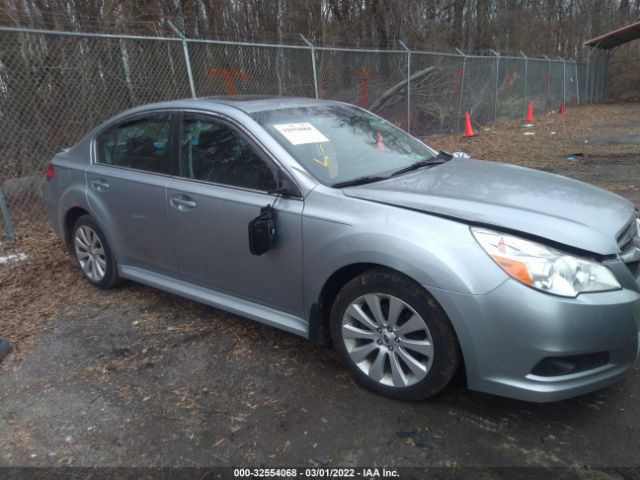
(245, 103)
(255, 103)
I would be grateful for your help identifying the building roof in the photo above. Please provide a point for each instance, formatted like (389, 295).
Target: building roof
(615, 38)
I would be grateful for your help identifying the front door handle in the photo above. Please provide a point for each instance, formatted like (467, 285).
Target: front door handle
(99, 185)
(183, 203)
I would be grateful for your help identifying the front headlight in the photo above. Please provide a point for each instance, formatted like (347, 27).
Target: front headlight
(545, 268)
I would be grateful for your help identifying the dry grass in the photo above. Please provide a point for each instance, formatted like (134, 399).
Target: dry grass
(37, 290)
(555, 136)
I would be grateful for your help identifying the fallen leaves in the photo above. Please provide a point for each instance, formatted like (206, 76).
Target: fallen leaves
(38, 289)
(556, 136)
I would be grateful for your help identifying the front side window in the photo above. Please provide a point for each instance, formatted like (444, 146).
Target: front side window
(214, 152)
(339, 143)
(142, 144)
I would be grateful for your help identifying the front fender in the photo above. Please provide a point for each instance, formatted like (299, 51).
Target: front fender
(435, 252)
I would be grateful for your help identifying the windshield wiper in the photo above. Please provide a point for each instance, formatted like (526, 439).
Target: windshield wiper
(359, 181)
(442, 157)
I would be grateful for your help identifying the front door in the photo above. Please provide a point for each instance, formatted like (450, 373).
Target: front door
(223, 184)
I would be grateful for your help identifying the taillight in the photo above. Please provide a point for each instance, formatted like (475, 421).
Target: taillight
(50, 171)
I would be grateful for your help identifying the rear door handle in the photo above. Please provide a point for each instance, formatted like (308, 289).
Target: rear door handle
(183, 203)
(99, 185)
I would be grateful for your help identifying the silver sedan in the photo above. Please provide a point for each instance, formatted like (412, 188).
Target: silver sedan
(326, 221)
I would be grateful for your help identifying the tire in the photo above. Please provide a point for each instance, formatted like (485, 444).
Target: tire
(411, 358)
(93, 254)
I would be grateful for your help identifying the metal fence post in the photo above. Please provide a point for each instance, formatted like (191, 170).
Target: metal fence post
(408, 85)
(598, 79)
(464, 68)
(495, 97)
(575, 69)
(564, 81)
(187, 61)
(593, 95)
(605, 90)
(526, 75)
(587, 82)
(173, 70)
(548, 79)
(593, 82)
(313, 63)
(591, 76)
(5, 216)
(601, 82)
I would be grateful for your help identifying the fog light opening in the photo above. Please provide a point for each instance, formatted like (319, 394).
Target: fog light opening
(556, 366)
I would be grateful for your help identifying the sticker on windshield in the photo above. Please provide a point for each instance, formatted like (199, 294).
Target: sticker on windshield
(301, 133)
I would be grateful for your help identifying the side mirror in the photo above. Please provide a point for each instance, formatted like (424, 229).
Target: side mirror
(262, 231)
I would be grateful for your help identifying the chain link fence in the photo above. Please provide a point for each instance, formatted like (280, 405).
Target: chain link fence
(55, 86)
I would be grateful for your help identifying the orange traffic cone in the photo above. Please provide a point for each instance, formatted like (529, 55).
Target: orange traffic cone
(529, 116)
(468, 130)
(562, 108)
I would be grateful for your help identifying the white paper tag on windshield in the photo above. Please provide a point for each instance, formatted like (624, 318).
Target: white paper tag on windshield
(301, 133)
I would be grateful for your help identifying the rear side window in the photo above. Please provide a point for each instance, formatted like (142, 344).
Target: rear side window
(142, 144)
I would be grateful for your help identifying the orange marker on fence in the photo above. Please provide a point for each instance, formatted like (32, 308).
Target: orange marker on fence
(363, 74)
(458, 74)
(228, 75)
(562, 108)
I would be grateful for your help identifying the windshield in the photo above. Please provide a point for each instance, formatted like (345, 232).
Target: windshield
(339, 143)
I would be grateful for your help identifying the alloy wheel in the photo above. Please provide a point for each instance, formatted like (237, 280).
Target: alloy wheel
(90, 253)
(387, 340)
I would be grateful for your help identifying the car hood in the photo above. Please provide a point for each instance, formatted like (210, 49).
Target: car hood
(510, 197)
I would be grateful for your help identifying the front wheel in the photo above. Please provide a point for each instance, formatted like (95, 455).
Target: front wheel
(393, 336)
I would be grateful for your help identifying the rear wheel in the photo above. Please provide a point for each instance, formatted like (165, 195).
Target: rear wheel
(93, 253)
(393, 336)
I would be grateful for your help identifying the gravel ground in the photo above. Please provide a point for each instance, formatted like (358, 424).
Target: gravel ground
(138, 377)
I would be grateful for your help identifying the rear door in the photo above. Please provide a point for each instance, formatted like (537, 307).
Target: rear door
(127, 188)
(223, 183)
